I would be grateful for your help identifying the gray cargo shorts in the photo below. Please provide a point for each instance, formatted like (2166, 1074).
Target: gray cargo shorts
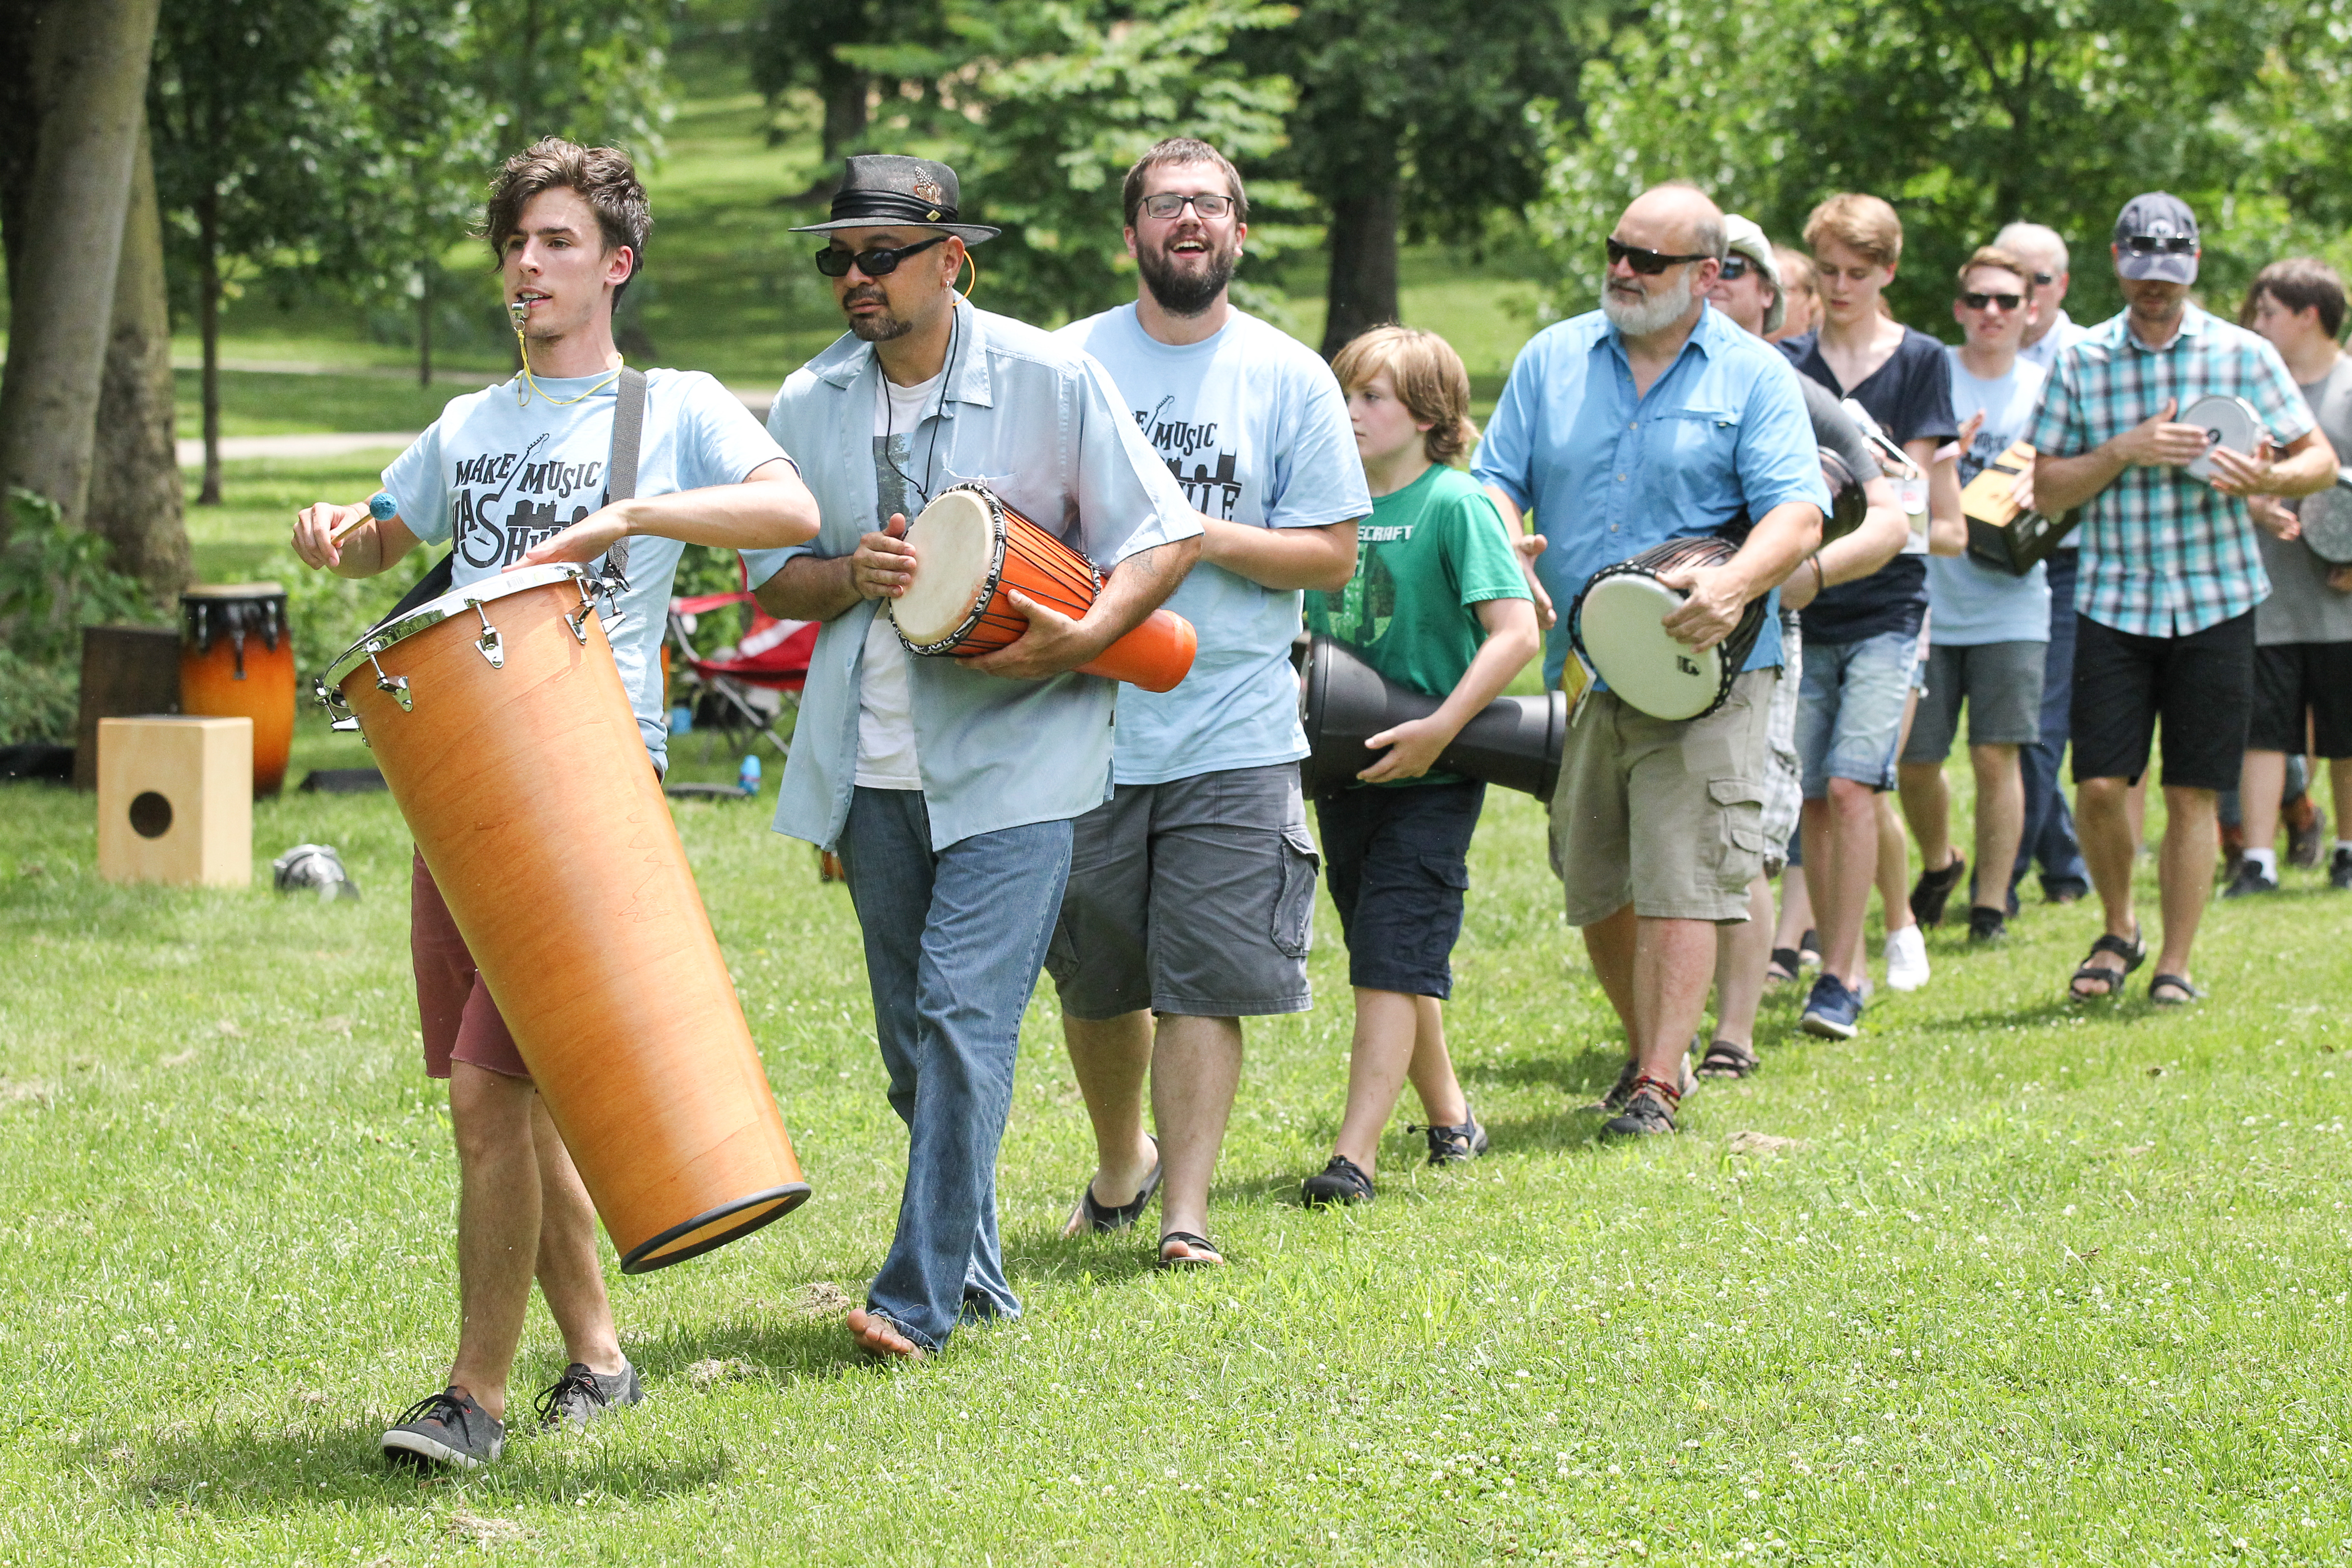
(1194, 896)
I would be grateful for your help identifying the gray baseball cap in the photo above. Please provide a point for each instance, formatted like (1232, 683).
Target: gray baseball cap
(2149, 235)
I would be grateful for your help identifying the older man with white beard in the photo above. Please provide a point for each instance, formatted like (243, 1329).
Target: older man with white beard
(1652, 418)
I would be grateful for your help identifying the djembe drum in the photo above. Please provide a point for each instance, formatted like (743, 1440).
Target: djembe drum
(498, 720)
(1618, 625)
(236, 661)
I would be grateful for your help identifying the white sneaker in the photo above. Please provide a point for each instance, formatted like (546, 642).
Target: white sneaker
(1907, 959)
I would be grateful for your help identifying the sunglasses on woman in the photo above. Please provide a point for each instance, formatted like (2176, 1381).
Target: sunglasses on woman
(835, 262)
(1734, 267)
(1648, 263)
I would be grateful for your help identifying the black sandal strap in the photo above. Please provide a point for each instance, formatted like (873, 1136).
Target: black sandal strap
(1728, 1059)
(1193, 1243)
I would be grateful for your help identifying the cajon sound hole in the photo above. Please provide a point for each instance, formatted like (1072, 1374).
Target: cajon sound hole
(151, 815)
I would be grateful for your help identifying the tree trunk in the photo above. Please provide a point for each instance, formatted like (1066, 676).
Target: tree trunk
(208, 293)
(21, 106)
(134, 484)
(97, 70)
(1363, 241)
(844, 90)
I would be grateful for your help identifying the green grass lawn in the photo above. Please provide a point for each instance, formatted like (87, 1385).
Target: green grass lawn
(2033, 1284)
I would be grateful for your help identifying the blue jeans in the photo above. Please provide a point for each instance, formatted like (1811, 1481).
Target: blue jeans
(954, 939)
(2049, 835)
(1850, 709)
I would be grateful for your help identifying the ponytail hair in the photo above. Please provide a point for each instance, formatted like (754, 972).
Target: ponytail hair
(1430, 379)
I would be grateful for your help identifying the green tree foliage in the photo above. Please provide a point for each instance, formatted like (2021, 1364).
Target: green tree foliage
(1041, 105)
(798, 43)
(589, 70)
(55, 579)
(1966, 114)
(1414, 116)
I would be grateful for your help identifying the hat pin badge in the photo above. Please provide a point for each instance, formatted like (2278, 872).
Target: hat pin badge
(927, 190)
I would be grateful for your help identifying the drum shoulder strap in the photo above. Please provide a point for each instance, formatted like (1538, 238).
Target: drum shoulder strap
(628, 434)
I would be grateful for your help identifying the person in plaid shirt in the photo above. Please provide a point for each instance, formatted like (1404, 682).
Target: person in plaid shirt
(2170, 572)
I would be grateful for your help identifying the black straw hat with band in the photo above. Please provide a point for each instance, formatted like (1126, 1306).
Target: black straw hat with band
(878, 189)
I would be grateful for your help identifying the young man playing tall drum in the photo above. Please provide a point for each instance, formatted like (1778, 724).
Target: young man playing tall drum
(949, 786)
(1651, 418)
(1192, 889)
(517, 474)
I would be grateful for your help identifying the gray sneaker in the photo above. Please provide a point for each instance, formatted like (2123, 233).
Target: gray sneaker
(445, 1428)
(580, 1396)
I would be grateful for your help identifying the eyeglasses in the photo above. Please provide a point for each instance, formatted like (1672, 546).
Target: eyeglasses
(2161, 244)
(834, 261)
(1167, 204)
(1648, 263)
(1734, 266)
(2006, 302)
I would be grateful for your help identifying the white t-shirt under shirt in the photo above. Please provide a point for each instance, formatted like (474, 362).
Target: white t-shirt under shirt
(1973, 604)
(885, 720)
(1254, 427)
(496, 476)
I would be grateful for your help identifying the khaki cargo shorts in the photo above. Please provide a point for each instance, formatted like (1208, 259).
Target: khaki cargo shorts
(1666, 815)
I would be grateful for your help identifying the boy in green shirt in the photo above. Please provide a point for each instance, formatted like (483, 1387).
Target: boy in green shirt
(1438, 604)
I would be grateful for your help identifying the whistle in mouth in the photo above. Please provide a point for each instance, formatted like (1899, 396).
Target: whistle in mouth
(521, 315)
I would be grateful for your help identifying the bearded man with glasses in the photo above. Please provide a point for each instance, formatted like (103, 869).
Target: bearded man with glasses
(949, 786)
(2170, 572)
(1191, 891)
(1655, 418)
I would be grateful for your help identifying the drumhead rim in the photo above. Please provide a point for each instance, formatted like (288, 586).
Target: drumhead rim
(455, 603)
(234, 591)
(2333, 515)
(1743, 637)
(984, 592)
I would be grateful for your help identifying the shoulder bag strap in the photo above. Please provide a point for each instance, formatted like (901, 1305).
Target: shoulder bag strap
(621, 473)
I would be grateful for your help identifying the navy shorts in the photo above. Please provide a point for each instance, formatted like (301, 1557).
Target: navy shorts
(1397, 862)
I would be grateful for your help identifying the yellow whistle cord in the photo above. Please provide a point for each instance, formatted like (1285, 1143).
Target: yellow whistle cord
(531, 381)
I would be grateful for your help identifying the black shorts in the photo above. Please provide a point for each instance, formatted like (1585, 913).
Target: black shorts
(2201, 686)
(2292, 680)
(1396, 860)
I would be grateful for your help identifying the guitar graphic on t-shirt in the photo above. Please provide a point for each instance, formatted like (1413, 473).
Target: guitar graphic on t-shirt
(484, 542)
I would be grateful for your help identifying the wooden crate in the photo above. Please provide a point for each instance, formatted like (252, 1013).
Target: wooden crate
(175, 800)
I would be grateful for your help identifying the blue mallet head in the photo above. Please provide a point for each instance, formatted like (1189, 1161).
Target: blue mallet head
(381, 507)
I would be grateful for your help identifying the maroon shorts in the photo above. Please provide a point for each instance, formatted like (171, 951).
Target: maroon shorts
(460, 1021)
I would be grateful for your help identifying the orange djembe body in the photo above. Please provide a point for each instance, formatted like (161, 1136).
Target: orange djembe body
(236, 661)
(531, 799)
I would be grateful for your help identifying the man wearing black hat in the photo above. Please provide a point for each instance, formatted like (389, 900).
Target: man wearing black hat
(2170, 572)
(949, 786)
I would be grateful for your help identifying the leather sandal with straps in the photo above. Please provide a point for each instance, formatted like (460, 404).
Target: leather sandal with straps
(2173, 983)
(1094, 1216)
(1199, 1251)
(2133, 952)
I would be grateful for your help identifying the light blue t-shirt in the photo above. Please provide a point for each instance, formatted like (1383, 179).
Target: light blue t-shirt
(1254, 427)
(1971, 604)
(499, 477)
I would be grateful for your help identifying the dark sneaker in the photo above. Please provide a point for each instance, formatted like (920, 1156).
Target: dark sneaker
(1987, 925)
(1340, 1182)
(580, 1395)
(1934, 890)
(445, 1428)
(1832, 1011)
(2304, 844)
(1453, 1145)
(2340, 868)
(2251, 878)
(1649, 1112)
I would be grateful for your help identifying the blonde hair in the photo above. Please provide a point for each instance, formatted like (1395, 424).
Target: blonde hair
(1430, 379)
(1863, 224)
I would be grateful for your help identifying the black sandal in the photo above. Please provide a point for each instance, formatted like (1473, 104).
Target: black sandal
(1193, 1245)
(1786, 963)
(1726, 1058)
(1105, 1219)
(2133, 952)
(2176, 983)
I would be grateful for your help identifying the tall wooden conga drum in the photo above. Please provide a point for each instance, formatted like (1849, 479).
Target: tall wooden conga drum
(236, 661)
(498, 720)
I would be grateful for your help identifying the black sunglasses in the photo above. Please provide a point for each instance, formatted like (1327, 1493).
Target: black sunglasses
(1648, 263)
(2043, 280)
(2006, 302)
(1734, 266)
(2165, 245)
(835, 262)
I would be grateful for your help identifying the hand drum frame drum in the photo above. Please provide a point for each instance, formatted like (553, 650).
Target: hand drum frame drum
(972, 548)
(2231, 422)
(1616, 623)
(498, 719)
(2328, 522)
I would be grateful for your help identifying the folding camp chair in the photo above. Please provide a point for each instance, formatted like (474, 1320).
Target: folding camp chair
(773, 655)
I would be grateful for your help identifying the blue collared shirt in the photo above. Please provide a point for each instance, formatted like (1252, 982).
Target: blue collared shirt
(1041, 423)
(1607, 475)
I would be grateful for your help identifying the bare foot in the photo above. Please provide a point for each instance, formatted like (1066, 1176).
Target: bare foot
(879, 1336)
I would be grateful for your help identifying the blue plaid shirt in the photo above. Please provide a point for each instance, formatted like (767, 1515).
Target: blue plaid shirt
(2164, 554)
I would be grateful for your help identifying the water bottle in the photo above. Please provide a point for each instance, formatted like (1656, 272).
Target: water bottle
(747, 777)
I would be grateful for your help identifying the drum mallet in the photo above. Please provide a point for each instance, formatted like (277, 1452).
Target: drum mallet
(379, 506)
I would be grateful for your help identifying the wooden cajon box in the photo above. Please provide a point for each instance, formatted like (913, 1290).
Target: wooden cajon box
(175, 800)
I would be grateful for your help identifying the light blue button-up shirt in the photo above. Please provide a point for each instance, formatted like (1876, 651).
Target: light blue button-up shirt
(1040, 422)
(1607, 475)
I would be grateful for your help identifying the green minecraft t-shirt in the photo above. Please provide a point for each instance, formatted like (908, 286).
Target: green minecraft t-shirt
(1427, 554)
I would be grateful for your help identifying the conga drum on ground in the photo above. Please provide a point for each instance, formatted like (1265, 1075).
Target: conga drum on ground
(498, 720)
(236, 661)
(972, 549)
